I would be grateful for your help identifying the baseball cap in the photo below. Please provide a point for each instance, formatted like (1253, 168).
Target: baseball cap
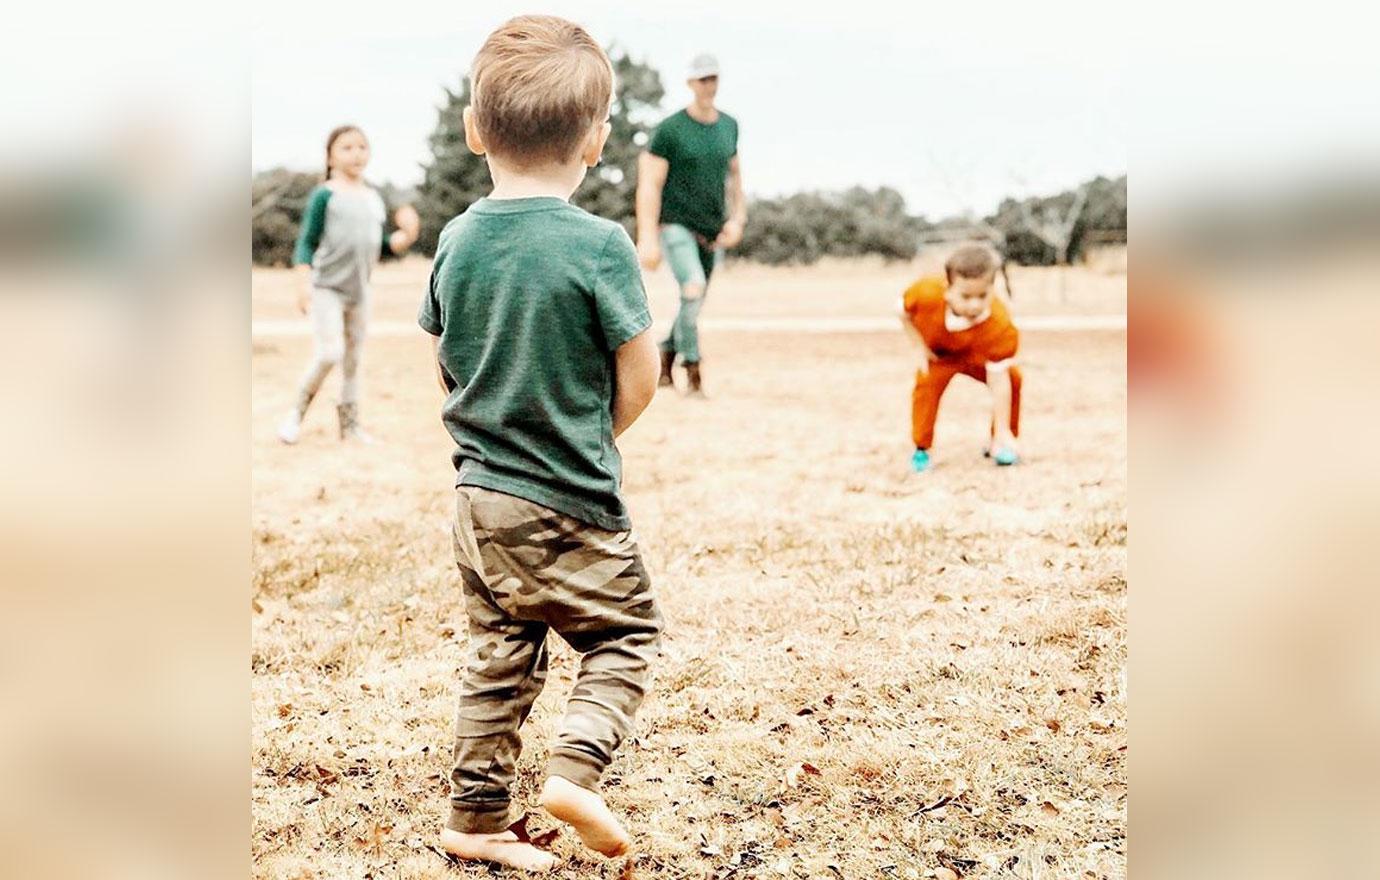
(703, 65)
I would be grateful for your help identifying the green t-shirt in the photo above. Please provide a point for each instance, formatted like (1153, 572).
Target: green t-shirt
(698, 154)
(530, 299)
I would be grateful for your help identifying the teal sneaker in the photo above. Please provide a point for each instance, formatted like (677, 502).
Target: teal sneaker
(1005, 457)
(920, 461)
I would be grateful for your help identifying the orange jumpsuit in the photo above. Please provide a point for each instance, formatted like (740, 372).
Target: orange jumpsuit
(964, 351)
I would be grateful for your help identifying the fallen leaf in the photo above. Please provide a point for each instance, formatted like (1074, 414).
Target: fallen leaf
(378, 835)
(542, 840)
(1049, 809)
(1053, 724)
(953, 787)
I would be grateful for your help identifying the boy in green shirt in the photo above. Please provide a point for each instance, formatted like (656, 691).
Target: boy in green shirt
(541, 332)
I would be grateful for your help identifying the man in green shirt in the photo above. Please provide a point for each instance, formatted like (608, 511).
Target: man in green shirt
(690, 207)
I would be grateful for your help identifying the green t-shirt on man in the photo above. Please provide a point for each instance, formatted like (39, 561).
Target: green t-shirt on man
(698, 154)
(531, 298)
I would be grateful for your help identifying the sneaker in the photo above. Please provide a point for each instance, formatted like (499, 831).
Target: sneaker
(920, 461)
(1005, 456)
(290, 429)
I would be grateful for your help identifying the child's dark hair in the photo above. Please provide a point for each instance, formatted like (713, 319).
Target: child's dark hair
(335, 135)
(972, 261)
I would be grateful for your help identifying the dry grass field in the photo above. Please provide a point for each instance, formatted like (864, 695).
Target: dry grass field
(868, 673)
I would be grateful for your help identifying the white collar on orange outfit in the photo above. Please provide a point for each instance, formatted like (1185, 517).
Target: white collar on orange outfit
(957, 323)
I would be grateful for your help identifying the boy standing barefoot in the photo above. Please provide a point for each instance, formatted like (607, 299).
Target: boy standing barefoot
(542, 341)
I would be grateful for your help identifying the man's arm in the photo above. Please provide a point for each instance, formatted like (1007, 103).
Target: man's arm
(636, 368)
(732, 233)
(651, 177)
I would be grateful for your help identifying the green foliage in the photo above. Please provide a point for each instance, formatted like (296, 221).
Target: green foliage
(278, 198)
(799, 228)
(456, 178)
(804, 227)
(609, 190)
(1105, 211)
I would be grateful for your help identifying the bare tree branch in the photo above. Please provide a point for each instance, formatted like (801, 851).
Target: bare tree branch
(1053, 230)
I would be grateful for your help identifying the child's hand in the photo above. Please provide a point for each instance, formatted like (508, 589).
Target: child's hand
(408, 221)
(303, 299)
(649, 252)
(729, 235)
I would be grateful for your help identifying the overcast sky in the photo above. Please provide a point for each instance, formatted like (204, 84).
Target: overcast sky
(954, 106)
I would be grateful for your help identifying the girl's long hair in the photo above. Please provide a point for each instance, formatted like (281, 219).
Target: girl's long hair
(334, 136)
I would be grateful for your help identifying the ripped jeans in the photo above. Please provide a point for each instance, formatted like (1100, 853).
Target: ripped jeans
(692, 262)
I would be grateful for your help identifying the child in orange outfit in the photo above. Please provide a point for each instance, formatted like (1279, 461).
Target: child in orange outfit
(962, 326)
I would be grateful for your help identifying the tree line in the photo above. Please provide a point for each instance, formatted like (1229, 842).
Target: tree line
(796, 229)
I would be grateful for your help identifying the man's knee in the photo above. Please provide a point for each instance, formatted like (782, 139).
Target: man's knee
(693, 290)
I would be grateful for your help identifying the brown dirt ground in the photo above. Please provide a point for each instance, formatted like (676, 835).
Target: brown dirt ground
(867, 673)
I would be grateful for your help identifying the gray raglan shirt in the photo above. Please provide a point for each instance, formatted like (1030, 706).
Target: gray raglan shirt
(342, 237)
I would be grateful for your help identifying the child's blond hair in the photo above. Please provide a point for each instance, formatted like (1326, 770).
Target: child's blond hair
(537, 86)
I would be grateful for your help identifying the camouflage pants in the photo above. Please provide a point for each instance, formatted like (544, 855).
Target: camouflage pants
(528, 570)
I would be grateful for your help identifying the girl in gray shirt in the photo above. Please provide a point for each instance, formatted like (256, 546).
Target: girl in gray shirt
(342, 238)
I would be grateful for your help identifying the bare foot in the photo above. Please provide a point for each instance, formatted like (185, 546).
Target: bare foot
(587, 813)
(502, 848)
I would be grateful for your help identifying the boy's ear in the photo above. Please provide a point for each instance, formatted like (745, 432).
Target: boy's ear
(594, 147)
(472, 139)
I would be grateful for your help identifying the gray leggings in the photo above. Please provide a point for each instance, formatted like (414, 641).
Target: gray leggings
(338, 327)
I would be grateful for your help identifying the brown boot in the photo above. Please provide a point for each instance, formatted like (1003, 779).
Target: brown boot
(668, 360)
(692, 373)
